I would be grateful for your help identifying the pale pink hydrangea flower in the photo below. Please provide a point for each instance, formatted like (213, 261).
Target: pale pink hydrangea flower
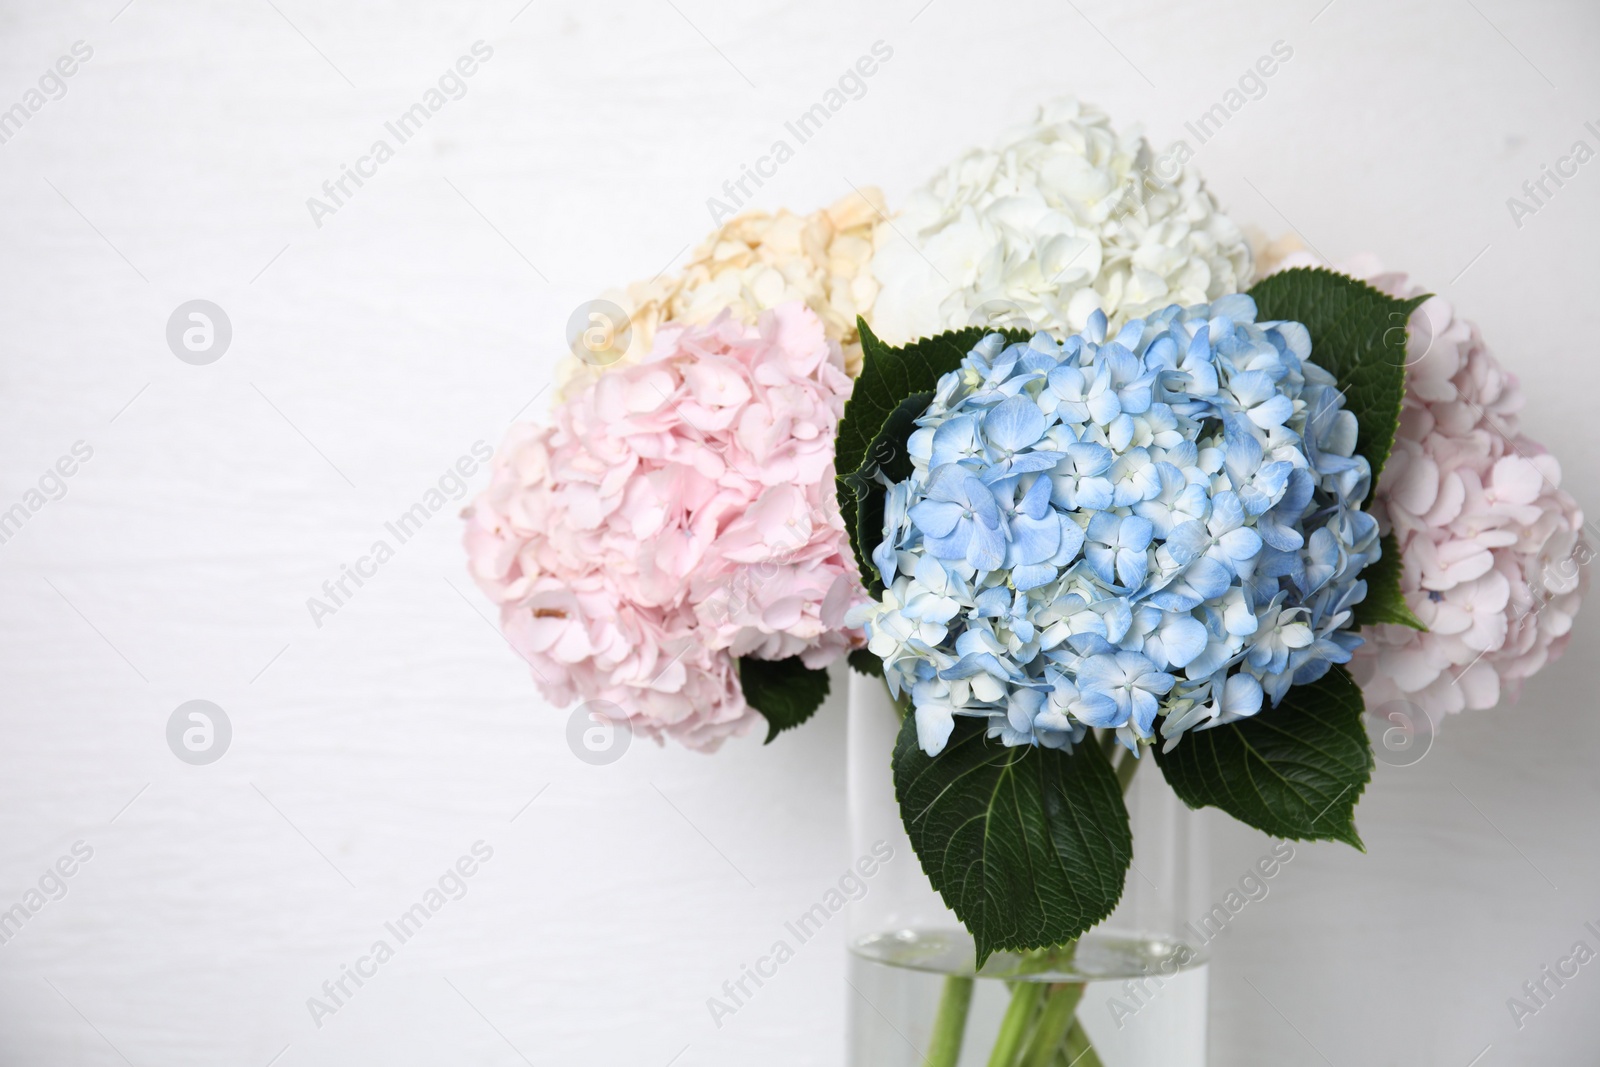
(678, 515)
(1495, 558)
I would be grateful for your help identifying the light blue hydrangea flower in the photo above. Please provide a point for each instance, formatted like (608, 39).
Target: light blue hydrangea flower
(1157, 532)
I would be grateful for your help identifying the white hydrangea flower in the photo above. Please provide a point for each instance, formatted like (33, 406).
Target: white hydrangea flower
(1064, 217)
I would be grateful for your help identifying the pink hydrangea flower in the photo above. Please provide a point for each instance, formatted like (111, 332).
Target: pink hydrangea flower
(1495, 558)
(680, 514)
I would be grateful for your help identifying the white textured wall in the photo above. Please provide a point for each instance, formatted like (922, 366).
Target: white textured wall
(369, 754)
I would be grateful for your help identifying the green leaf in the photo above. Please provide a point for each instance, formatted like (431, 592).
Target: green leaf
(1293, 771)
(786, 691)
(888, 376)
(878, 417)
(1028, 846)
(864, 662)
(1358, 335)
(888, 454)
(1385, 602)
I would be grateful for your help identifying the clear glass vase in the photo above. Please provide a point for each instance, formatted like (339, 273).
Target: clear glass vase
(1129, 993)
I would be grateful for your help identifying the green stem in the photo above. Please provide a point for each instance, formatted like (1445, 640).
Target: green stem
(1054, 1022)
(1014, 1027)
(1078, 1051)
(950, 1025)
(1125, 768)
(1108, 743)
(1057, 1030)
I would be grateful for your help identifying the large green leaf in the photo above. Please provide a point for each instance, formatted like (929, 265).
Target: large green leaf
(1384, 601)
(888, 376)
(786, 691)
(877, 419)
(1028, 846)
(1293, 771)
(1358, 335)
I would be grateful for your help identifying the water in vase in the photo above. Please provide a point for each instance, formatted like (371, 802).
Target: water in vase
(1142, 1002)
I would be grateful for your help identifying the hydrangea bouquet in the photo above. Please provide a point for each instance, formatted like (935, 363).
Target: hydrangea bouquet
(1161, 523)
(1092, 550)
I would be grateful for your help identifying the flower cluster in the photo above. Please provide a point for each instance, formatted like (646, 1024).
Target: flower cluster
(758, 261)
(1493, 549)
(1097, 532)
(680, 514)
(1064, 217)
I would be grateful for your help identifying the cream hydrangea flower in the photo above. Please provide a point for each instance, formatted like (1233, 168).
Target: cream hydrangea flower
(754, 263)
(1268, 253)
(1064, 217)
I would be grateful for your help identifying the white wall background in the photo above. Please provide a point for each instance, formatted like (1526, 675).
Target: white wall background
(370, 353)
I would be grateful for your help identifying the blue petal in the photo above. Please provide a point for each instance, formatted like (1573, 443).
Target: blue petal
(1143, 712)
(954, 440)
(1104, 406)
(936, 518)
(1241, 544)
(1253, 387)
(1034, 540)
(1086, 644)
(1099, 674)
(1187, 541)
(1242, 453)
(1175, 598)
(1162, 354)
(1227, 513)
(1032, 575)
(1089, 458)
(1095, 494)
(1067, 382)
(1026, 463)
(1120, 432)
(1184, 637)
(1097, 709)
(993, 603)
(1095, 329)
(1277, 534)
(1071, 542)
(948, 482)
(1273, 478)
(1035, 503)
(1103, 526)
(1208, 578)
(1273, 412)
(987, 549)
(1132, 567)
(1240, 307)
(952, 547)
(973, 664)
(884, 557)
(1241, 696)
(1014, 424)
(982, 501)
(1118, 618)
(1023, 706)
(1102, 562)
(1135, 533)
